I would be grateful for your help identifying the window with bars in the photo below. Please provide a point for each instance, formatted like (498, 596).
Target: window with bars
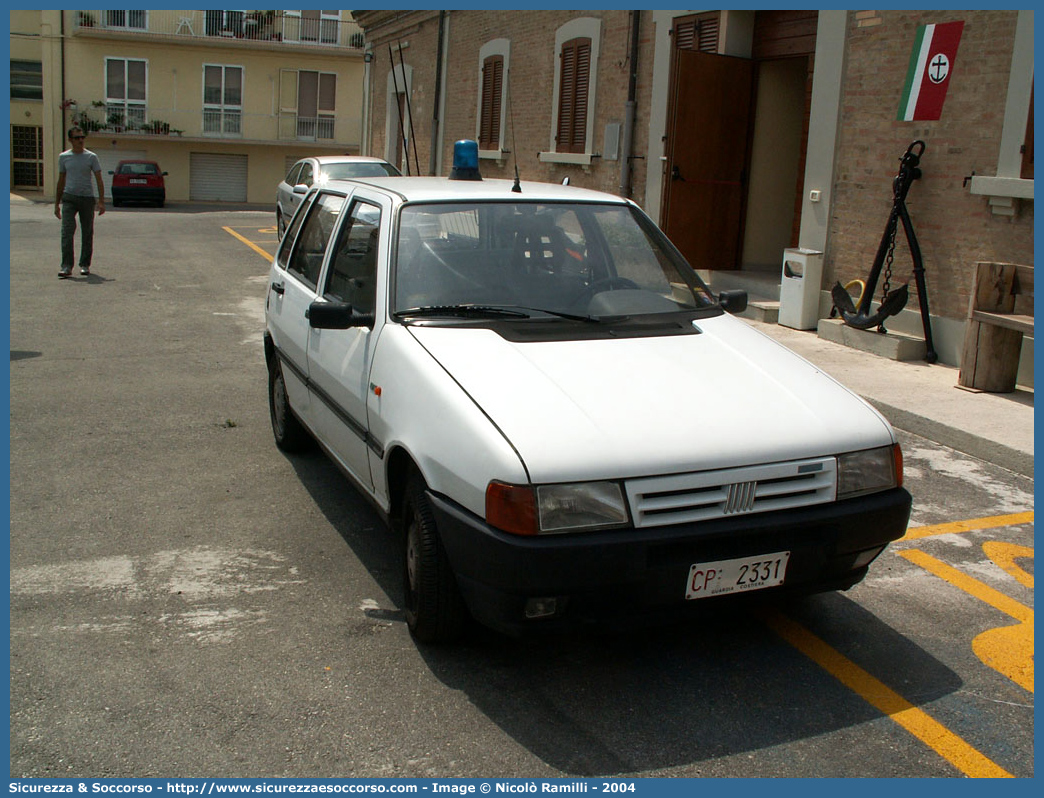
(222, 99)
(492, 101)
(26, 156)
(316, 104)
(125, 19)
(125, 91)
(573, 95)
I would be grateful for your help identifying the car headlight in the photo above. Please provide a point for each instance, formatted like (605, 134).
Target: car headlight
(551, 509)
(869, 471)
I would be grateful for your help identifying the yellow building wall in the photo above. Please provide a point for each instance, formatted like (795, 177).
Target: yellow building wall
(175, 96)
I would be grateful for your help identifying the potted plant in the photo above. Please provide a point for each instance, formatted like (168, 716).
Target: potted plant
(86, 19)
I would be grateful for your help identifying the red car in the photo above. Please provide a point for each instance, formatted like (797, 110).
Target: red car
(138, 181)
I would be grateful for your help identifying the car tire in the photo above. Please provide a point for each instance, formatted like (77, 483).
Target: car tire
(280, 225)
(116, 202)
(290, 435)
(435, 611)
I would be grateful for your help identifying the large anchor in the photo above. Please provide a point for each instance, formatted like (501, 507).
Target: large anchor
(892, 301)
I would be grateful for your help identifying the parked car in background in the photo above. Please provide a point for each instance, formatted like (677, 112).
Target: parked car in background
(315, 171)
(559, 418)
(138, 181)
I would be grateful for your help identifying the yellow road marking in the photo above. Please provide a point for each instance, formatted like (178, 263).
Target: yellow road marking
(970, 525)
(922, 726)
(249, 243)
(981, 591)
(1004, 555)
(1009, 649)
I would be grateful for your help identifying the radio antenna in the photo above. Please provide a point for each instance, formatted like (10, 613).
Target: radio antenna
(398, 107)
(409, 110)
(517, 187)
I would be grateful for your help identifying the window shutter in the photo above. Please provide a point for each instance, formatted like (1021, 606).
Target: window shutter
(699, 32)
(492, 92)
(287, 103)
(574, 90)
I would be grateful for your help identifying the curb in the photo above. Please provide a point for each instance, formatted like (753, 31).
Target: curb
(974, 445)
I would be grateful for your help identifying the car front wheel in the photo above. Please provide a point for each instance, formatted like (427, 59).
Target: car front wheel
(290, 435)
(435, 611)
(280, 224)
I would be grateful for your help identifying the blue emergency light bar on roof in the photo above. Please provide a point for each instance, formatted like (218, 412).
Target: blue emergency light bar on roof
(465, 161)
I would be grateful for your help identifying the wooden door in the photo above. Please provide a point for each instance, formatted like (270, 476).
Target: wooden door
(707, 153)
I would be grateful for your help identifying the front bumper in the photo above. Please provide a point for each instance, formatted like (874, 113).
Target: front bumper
(598, 576)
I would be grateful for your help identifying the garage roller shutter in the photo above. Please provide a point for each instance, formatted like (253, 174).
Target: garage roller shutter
(221, 178)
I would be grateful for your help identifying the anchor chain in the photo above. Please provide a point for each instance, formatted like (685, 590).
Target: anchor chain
(892, 302)
(886, 287)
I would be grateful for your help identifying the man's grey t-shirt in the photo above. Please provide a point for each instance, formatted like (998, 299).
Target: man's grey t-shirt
(79, 169)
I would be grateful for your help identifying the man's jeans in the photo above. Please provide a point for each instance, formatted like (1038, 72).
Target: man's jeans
(73, 206)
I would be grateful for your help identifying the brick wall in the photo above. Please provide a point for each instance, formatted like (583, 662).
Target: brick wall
(954, 227)
(527, 116)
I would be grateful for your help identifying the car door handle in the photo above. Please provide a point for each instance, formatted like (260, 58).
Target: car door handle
(279, 288)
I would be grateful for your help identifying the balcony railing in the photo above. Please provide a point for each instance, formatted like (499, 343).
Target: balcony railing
(215, 122)
(311, 28)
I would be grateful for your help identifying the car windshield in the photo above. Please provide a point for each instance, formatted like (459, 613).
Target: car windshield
(577, 260)
(341, 171)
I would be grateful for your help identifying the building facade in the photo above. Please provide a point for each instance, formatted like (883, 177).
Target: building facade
(225, 101)
(741, 133)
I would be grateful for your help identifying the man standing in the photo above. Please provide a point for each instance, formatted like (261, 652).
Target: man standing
(75, 197)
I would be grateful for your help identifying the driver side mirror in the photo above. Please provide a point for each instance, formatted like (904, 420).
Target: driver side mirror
(337, 316)
(733, 301)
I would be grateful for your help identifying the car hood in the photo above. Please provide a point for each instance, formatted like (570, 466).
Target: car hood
(628, 407)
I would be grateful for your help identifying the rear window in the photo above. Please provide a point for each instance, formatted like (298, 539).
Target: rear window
(139, 169)
(342, 171)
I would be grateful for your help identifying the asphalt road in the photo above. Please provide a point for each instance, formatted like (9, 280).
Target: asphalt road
(186, 601)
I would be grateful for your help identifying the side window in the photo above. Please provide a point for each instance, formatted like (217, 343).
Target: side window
(353, 272)
(1027, 147)
(306, 259)
(283, 253)
(306, 175)
(292, 175)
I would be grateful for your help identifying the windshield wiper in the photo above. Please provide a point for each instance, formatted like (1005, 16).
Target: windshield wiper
(483, 311)
(496, 311)
(562, 315)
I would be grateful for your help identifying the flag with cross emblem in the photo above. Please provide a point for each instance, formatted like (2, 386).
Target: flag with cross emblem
(931, 65)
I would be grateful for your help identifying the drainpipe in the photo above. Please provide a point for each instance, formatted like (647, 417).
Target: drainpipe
(61, 16)
(433, 153)
(629, 113)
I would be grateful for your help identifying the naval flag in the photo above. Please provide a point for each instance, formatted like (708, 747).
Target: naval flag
(931, 64)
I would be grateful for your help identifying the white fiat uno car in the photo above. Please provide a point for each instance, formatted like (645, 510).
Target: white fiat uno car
(559, 418)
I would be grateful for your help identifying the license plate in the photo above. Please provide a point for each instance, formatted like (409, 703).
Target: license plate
(139, 181)
(719, 578)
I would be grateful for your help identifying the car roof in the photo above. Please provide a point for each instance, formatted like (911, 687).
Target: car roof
(324, 159)
(442, 189)
(137, 160)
